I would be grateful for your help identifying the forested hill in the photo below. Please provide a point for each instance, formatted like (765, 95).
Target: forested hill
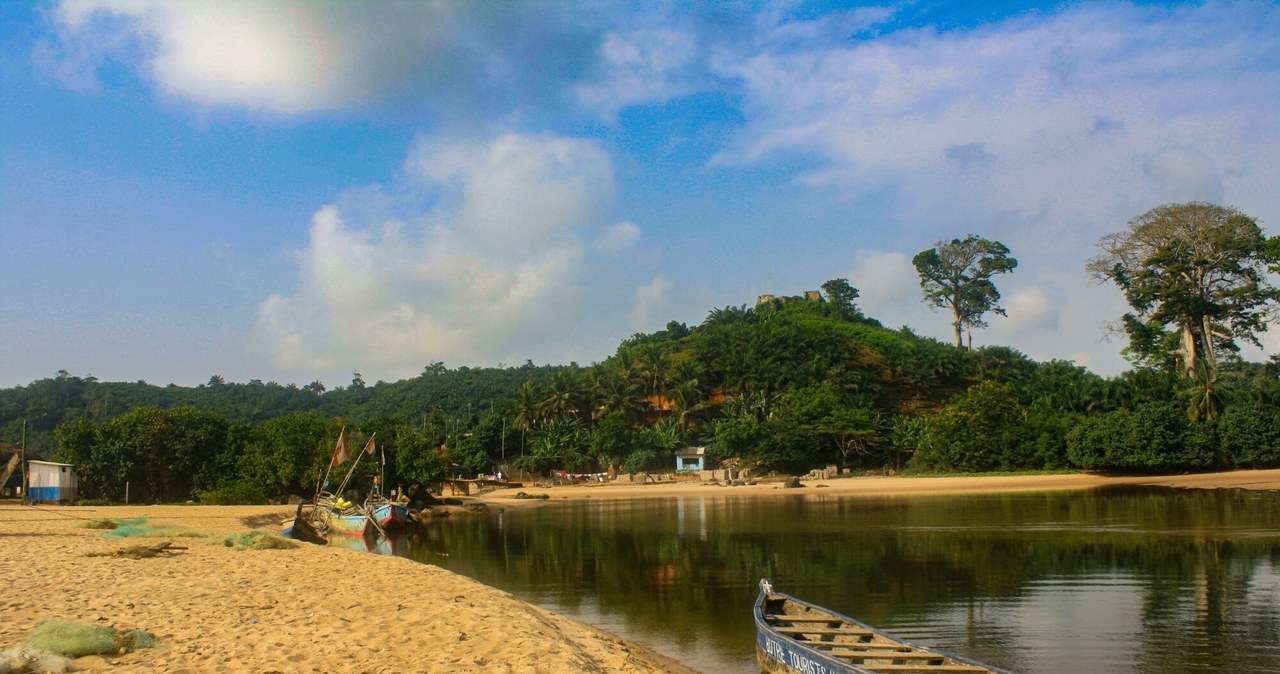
(46, 403)
(788, 385)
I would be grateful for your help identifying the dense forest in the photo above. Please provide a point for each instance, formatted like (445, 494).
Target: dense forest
(784, 386)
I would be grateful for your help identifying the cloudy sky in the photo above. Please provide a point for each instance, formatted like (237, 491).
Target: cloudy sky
(298, 190)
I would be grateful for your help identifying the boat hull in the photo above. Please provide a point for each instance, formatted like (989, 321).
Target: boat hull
(299, 528)
(349, 523)
(390, 516)
(796, 637)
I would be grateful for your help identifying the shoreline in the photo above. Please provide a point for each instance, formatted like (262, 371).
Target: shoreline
(328, 609)
(1268, 479)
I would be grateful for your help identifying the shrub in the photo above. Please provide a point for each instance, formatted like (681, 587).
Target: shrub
(235, 493)
(1249, 434)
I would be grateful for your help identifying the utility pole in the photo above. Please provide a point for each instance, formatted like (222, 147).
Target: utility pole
(25, 484)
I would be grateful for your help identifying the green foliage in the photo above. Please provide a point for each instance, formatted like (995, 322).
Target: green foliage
(1197, 269)
(1153, 437)
(417, 458)
(1249, 434)
(841, 295)
(957, 275)
(791, 384)
(241, 492)
(975, 432)
(288, 454)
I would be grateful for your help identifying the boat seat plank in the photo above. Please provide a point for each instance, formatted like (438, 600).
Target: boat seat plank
(802, 618)
(926, 669)
(868, 647)
(885, 654)
(824, 631)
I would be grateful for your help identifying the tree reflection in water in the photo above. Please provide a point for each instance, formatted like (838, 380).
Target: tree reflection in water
(1116, 580)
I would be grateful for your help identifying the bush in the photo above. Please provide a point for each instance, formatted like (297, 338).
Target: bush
(235, 493)
(1249, 434)
(1154, 437)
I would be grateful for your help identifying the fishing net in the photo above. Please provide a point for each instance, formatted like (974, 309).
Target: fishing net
(258, 540)
(75, 640)
(138, 527)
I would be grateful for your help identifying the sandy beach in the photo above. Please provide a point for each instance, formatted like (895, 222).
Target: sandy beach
(320, 609)
(890, 486)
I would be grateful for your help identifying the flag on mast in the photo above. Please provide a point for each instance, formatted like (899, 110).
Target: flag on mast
(368, 448)
(340, 452)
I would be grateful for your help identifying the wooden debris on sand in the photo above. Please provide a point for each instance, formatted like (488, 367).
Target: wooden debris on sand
(140, 551)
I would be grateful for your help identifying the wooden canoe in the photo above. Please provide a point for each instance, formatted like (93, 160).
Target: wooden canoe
(299, 527)
(794, 636)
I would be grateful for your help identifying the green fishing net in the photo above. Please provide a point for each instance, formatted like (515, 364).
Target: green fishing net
(258, 540)
(75, 640)
(138, 527)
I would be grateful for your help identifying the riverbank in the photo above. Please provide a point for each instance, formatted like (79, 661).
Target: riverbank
(308, 609)
(323, 609)
(888, 486)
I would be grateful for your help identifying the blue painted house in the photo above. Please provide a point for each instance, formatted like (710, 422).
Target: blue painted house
(691, 458)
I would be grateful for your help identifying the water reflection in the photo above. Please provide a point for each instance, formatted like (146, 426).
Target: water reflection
(1126, 580)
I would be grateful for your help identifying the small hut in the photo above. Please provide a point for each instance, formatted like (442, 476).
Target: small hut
(51, 482)
(691, 458)
(11, 468)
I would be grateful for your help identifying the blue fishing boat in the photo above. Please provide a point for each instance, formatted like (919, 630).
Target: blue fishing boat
(389, 515)
(342, 517)
(796, 637)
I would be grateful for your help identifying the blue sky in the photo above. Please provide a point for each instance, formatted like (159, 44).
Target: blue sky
(294, 191)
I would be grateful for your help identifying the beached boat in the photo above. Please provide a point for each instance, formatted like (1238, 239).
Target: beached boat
(300, 528)
(390, 515)
(796, 636)
(341, 517)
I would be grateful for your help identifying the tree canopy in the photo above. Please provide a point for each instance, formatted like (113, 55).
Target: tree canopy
(1194, 274)
(956, 274)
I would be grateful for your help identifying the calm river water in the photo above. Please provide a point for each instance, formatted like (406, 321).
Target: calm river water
(1125, 580)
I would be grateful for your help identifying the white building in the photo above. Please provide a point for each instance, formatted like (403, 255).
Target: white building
(52, 482)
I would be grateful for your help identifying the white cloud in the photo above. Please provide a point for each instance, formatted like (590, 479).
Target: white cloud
(1184, 174)
(641, 65)
(886, 283)
(289, 56)
(1044, 131)
(617, 238)
(1063, 120)
(492, 273)
(647, 298)
(1032, 308)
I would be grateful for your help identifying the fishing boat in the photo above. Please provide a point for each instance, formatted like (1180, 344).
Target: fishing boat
(389, 515)
(335, 515)
(300, 528)
(794, 636)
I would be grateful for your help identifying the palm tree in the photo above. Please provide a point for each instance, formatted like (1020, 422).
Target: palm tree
(529, 401)
(619, 394)
(1207, 395)
(563, 396)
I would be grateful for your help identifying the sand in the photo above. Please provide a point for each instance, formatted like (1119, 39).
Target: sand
(888, 486)
(309, 609)
(320, 609)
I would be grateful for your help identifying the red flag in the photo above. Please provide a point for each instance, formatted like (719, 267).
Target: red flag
(368, 449)
(340, 452)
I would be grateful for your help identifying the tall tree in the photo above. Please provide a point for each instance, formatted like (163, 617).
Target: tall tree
(1194, 275)
(957, 275)
(840, 294)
